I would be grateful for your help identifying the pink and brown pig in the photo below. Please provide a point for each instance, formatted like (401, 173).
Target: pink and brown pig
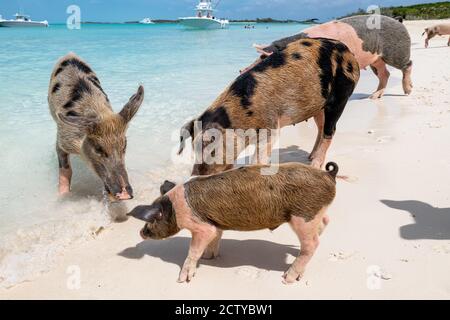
(243, 200)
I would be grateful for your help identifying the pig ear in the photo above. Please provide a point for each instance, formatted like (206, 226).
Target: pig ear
(166, 187)
(146, 213)
(130, 109)
(186, 132)
(84, 123)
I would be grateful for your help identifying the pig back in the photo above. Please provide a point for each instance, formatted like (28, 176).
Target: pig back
(368, 38)
(242, 199)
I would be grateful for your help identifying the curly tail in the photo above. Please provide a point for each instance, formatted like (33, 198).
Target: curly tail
(332, 168)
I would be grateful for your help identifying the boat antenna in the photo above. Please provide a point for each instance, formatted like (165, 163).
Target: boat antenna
(217, 4)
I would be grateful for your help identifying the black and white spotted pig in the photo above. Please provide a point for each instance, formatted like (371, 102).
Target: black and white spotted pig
(88, 126)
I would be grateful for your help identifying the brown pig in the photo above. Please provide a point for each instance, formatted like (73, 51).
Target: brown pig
(243, 200)
(375, 40)
(306, 78)
(441, 29)
(87, 125)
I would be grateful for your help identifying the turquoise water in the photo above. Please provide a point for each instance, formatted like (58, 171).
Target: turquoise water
(182, 72)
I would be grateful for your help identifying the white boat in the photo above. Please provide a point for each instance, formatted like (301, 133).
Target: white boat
(146, 21)
(205, 18)
(22, 20)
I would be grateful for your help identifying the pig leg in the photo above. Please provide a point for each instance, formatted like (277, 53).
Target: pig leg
(407, 83)
(308, 234)
(212, 251)
(430, 35)
(65, 171)
(448, 42)
(319, 157)
(333, 110)
(320, 122)
(380, 70)
(201, 238)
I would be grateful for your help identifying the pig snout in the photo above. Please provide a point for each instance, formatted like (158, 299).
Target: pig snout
(145, 233)
(125, 194)
(120, 193)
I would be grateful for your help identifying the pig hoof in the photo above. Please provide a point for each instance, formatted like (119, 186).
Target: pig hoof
(376, 95)
(408, 90)
(291, 276)
(63, 191)
(209, 255)
(187, 274)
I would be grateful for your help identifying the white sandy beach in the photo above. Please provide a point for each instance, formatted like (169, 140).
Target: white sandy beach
(389, 235)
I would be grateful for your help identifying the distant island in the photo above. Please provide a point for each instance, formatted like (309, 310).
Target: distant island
(257, 20)
(270, 20)
(426, 11)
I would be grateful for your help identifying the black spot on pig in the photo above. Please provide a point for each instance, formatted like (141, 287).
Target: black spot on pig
(218, 115)
(296, 56)
(68, 105)
(94, 80)
(82, 87)
(324, 62)
(56, 87)
(63, 159)
(276, 60)
(58, 71)
(339, 59)
(244, 88)
(249, 113)
(340, 47)
(80, 65)
(72, 114)
(341, 89)
(349, 68)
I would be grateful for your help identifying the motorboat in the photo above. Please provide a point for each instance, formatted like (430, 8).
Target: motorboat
(204, 18)
(146, 21)
(22, 20)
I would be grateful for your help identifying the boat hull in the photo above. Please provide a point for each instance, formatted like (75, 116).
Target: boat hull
(203, 23)
(21, 24)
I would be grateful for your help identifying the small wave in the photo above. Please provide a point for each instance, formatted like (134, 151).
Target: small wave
(32, 250)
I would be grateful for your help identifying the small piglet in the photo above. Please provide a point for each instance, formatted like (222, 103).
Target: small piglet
(441, 29)
(243, 200)
(88, 126)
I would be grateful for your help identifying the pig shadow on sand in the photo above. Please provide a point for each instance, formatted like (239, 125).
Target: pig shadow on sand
(233, 253)
(284, 155)
(430, 222)
(292, 154)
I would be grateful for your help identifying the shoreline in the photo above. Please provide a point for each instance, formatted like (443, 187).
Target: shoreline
(395, 214)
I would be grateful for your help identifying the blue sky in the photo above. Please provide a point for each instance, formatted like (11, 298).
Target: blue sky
(126, 10)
